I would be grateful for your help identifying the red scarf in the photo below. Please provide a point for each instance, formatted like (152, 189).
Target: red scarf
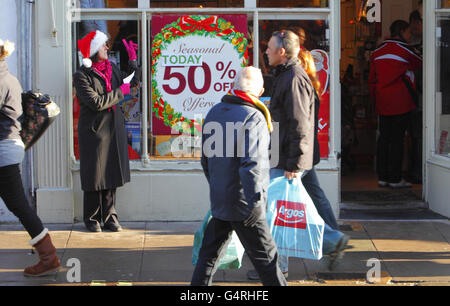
(105, 70)
(255, 101)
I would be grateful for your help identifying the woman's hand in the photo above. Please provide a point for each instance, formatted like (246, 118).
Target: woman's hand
(131, 48)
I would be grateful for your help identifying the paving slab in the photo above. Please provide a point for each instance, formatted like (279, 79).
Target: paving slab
(104, 256)
(168, 251)
(412, 251)
(16, 253)
(354, 265)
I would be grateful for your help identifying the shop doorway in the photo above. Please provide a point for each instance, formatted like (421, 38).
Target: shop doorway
(364, 26)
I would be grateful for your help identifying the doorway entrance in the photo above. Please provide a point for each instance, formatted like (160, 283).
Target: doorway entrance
(363, 29)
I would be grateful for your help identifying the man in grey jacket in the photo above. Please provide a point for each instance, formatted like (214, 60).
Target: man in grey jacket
(235, 160)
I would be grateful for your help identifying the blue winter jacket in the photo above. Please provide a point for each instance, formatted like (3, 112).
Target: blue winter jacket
(235, 158)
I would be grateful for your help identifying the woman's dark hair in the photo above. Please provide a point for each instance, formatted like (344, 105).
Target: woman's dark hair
(398, 27)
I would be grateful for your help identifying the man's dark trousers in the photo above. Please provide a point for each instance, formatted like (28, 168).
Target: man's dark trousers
(258, 244)
(390, 147)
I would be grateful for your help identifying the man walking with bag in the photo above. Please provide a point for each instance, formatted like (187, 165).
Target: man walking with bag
(293, 107)
(235, 160)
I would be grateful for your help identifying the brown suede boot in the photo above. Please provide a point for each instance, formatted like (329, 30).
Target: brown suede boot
(48, 263)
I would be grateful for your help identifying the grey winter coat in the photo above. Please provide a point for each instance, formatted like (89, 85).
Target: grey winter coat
(102, 136)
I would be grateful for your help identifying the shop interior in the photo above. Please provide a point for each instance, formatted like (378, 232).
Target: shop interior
(359, 182)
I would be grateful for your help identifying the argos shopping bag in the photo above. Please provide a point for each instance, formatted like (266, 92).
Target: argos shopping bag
(232, 259)
(294, 222)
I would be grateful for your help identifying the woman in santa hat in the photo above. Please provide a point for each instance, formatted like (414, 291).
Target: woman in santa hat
(11, 155)
(104, 163)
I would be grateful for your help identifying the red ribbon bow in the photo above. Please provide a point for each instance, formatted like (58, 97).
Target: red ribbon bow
(209, 24)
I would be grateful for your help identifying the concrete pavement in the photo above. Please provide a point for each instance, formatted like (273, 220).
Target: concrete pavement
(159, 253)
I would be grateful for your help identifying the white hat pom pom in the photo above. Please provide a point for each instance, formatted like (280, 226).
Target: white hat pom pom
(87, 62)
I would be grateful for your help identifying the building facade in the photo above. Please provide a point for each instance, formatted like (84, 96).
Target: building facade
(167, 182)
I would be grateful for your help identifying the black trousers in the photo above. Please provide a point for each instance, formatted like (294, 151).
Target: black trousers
(13, 194)
(99, 206)
(258, 244)
(390, 147)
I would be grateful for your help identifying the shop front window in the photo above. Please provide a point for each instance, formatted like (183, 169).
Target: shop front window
(191, 62)
(313, 38)
(131, 106)
(195, 3)
(91, 4)
(443, 90)
(292, 3)
(443, 3)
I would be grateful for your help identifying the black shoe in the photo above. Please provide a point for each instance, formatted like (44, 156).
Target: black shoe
(338, 253)
(113, 227)
(93, 227)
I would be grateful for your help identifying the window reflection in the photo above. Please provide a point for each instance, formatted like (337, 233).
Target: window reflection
(443, 96)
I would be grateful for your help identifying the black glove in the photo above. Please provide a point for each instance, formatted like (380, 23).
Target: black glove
(255, 214)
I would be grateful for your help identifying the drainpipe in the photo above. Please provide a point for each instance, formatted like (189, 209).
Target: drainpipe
(25, 75)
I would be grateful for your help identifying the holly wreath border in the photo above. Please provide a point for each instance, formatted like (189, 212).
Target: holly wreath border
(204, 25)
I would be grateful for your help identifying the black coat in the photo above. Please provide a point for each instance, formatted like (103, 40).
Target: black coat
(102, 136)
(292, 106)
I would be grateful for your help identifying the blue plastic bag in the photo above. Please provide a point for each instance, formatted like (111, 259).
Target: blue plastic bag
(294, 222)
(232, 259)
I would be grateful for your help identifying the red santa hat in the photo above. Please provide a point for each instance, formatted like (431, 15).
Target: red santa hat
(90, 44)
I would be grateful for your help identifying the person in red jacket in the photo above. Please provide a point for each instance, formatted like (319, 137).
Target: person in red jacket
(392, 83)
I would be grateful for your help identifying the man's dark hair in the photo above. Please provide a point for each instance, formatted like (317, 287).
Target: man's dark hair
(415, 16)
(397, 27)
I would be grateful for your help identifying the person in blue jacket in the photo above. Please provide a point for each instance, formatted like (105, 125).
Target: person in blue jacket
(235, 160)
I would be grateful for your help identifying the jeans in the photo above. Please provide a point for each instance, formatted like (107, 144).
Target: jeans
(12, 193)
(331, 236)
(258, 244)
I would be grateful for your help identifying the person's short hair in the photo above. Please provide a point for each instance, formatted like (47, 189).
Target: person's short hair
(289, 41)
(249, 79)
(397, 27)
(415, 16)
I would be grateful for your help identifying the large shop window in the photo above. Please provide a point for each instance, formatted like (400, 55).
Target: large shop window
(195, 3)
(443, 89)
(313, 38)
(88, 4)
(192, 61)
(443, 3)
(292, 3)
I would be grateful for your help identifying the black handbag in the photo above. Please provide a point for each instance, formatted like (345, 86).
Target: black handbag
(39, 111)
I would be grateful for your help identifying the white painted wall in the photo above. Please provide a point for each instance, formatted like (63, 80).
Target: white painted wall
(438, 193)
(8, 31)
